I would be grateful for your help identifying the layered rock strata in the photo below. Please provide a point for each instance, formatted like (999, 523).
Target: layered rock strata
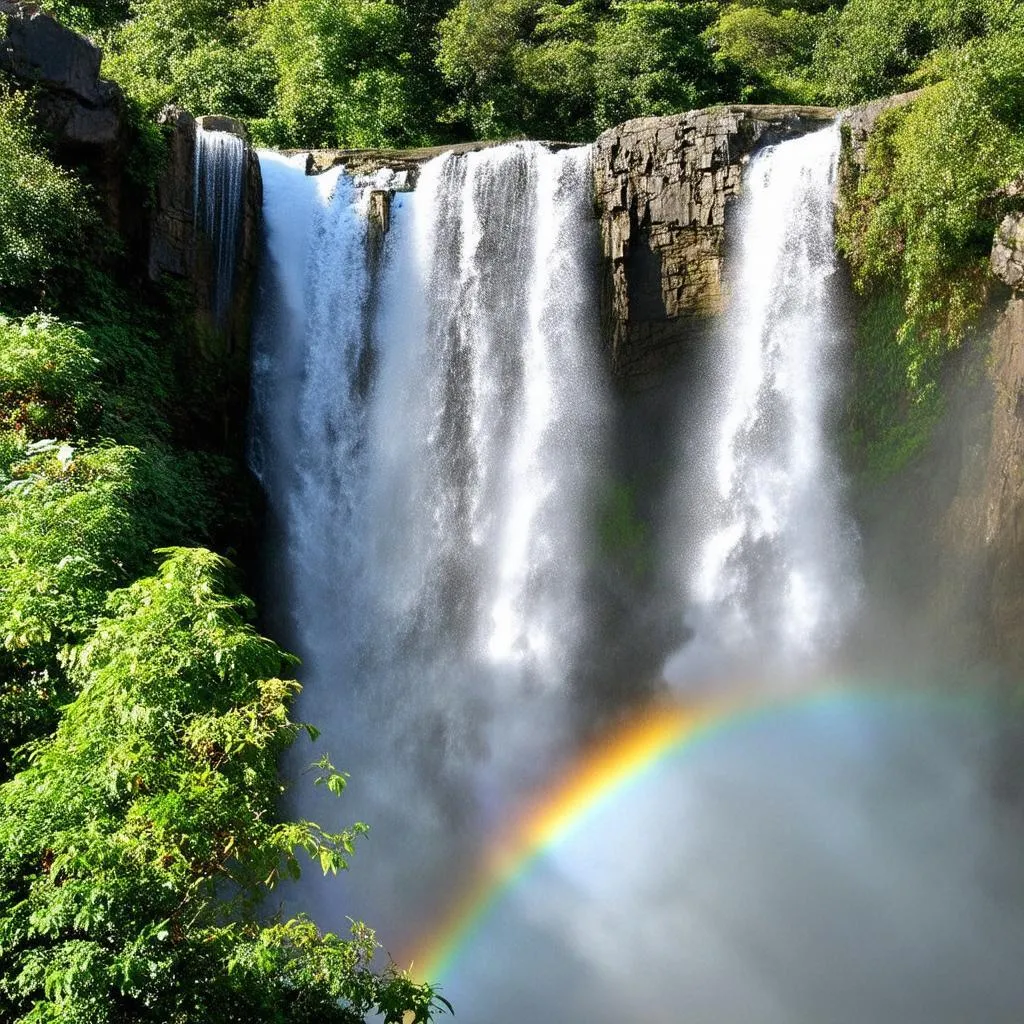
(663, 186)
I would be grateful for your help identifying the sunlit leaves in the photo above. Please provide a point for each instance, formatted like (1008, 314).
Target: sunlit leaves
(43, 209)
(136, 848)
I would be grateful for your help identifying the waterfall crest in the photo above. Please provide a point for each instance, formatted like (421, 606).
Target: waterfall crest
(218, 180)
(773, 577)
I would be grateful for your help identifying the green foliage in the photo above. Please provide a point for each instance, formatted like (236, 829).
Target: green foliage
(47, 373)
(919, 222)
(76, 521)
(89, 479)
(66, 537)
(341, 66)
(193, 52)
(89, 16)
(137, 847)
(566, 70)
(310, 72)
(652, 59)
(874, 47)
(770, 51)
(44, 213)
(896, 399)
(520, 66)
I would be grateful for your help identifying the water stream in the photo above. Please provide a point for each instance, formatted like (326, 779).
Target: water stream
(428, 420)
(218, 183)
(770, 572)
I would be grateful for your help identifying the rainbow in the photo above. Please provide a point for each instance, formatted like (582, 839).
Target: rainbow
(593, 781)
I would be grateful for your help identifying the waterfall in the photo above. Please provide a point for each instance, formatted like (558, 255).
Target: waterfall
(431, 432)
(772, 579)
(427, 417)
(218, 180)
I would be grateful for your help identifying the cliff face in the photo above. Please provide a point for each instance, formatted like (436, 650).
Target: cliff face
(985, 525)
(663, 186)
(217, 356)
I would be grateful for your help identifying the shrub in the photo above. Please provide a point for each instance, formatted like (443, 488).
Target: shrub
(136, 849)
(44, 211)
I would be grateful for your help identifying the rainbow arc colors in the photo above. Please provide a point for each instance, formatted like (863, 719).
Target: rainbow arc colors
(613, 764)
(594, 781)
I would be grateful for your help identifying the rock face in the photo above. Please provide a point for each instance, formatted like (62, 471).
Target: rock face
(80, 108)
(999, 505)
(1007, 260)
(218, 352)
(663, 185)
(1004, 488)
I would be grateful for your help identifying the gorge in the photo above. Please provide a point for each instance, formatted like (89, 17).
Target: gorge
(643, 513)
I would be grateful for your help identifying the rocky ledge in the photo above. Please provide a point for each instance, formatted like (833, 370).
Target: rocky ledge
(80, 109)
(369, 161)
(1007, 260)
(663, 185)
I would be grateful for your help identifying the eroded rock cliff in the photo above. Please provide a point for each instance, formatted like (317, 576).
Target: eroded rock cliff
(663, 186)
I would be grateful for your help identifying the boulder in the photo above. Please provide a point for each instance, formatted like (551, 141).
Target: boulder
(80, 109)
(222, 123)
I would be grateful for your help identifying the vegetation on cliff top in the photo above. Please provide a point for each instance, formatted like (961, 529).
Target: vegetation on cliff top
(321, 73)
(917, 227)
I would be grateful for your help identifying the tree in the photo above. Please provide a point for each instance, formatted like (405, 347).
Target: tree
(521, 67)
(770, 50)
(652, 59)
(137, 848)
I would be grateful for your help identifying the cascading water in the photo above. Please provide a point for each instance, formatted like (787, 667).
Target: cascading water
(429, 428)
(427, 419)
(219, 173)
(773, 578)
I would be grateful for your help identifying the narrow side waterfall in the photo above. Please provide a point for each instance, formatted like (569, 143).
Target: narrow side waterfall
(772, 579)
(219, 172)
(428, 415)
